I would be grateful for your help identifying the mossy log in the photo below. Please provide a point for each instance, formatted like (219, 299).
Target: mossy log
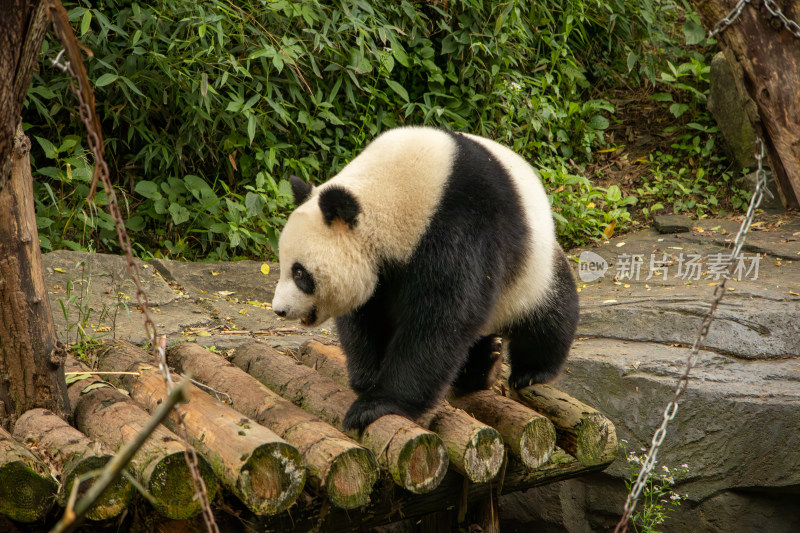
(580, 430)
(73, 454)
(415, 457)
(337, 466)
(474, 448)
(106, 414)
(256, 465)
(27, 490)
(530, 435)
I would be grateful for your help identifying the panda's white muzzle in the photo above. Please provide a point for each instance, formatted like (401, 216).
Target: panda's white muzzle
(292, 303)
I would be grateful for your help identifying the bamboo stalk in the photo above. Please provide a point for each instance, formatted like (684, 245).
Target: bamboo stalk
(415, 457)
(105, 414)
(258, 467)
(27, 491)
(73, 454)
(337, 465)
(474, 448)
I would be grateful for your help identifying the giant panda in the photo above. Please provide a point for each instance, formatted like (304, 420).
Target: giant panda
(424, 247)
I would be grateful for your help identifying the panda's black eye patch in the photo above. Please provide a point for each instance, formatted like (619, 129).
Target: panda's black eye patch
(303, 278)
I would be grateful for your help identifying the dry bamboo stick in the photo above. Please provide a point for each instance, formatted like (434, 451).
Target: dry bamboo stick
(415, 457)
(337, 465)
(258, 467)
(105, 414)
(474, 448)
(73, 454)
(27, 490)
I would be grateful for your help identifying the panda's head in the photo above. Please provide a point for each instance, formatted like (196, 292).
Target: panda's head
(327, 269)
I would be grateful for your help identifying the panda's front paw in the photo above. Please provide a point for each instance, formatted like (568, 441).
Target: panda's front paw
(365, 411)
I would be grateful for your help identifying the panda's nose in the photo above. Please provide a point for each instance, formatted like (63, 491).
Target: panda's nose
(280, 312)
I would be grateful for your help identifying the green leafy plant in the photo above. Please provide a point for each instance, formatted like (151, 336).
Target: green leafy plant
(658, 498)
(208, 106)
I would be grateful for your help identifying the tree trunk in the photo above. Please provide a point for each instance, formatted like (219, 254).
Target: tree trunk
(769, 55)
(31, 362)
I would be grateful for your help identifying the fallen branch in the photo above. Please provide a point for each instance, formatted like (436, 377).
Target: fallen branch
(415, 457)
(337, 465)
(73, 454)
(257, 466)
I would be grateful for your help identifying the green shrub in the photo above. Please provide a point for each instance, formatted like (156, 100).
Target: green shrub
(209, 105)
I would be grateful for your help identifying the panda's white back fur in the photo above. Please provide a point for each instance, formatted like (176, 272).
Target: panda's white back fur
(398, 180)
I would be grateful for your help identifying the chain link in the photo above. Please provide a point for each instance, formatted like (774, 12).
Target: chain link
(728, 19)
(775, 11)
(719, 291)
(79, 84)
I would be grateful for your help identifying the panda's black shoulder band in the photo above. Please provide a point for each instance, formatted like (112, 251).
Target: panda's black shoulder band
(337, 202)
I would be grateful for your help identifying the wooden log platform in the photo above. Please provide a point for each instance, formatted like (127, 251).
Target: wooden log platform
(106, 414)
(27, 490)
(528, 434)
(264, 471)
(415, 457)
(73, 454)
(299, 399)
(338, 467)
(474, 448)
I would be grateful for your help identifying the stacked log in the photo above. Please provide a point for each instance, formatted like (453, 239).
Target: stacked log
(581, 430)
(105, 414)
(72, 454)
(338, 467)
(415, 457)
(475, 449)
(27, 490)
(256, 465)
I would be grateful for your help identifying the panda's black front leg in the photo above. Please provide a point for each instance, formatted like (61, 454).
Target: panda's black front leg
(364, 337)
(418, 366)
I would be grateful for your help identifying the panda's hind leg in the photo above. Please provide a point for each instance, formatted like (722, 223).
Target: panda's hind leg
(538, 343)
(482, 367)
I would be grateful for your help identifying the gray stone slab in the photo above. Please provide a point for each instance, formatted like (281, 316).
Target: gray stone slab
(672, 223)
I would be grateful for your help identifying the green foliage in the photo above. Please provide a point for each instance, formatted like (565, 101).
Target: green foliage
(209, 105)
(657, 498)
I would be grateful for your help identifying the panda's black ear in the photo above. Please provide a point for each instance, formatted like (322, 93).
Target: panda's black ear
(300, 189)
(339, 203)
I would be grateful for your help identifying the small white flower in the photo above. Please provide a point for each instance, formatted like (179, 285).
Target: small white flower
(674, 497)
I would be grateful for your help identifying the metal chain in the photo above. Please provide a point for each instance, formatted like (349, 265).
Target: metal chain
(80, 87)
(719, 291)
(775, 11)
(728, 19)
(770, 5)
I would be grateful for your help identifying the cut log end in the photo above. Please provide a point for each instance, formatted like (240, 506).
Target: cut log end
(25, 495)
(351, 477)
(422, 462)
(591, 437)
(170, 483)
(272, 478)
(538, 442)
(484, 455)
(114, 499)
